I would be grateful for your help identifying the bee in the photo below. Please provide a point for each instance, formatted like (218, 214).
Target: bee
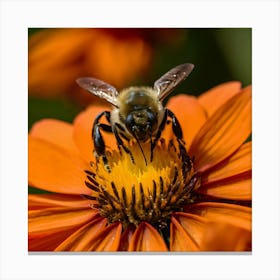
(138, 113)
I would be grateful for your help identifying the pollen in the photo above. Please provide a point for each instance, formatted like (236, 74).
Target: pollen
(141, 190)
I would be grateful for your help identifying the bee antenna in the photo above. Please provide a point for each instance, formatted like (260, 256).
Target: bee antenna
(139, 144)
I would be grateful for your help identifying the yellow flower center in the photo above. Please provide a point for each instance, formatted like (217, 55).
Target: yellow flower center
(134, 191)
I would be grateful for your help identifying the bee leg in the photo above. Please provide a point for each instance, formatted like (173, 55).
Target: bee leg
(176, 127)
(177, 130)
(99, 145)
(121, 144)
(160, 129)
(119, 132)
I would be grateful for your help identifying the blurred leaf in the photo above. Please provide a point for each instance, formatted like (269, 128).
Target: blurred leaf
(200, 47)
(50, 108)
(32, 31)
(236, 46)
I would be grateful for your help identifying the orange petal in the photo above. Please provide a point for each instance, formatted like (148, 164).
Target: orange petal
(180, 240)
(226, 237)
(126, 238)
(107, 52)
(58, 68)
(210, 235)
(83, 129)
(193, 225)
(146, 239)
(224, 132)
(107, 240)
(59, 80)
(54, 169)
(45, 44)
(47, 221)
(237, 163)
(39, 201)
(236, 188)
(81, 240)
(190, 114)
(236, 215)
(57, 132)
(48, 242)
(212, 99)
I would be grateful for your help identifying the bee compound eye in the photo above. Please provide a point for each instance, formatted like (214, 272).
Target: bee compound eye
(129, 122)
(152, 119)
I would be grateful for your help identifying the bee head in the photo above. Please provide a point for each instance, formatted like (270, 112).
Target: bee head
(141, 123)
(140, 111)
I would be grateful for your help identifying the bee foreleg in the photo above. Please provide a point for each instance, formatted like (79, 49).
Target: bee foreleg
(176, 127)
(99, 145)
(177, 130)
(121, 144)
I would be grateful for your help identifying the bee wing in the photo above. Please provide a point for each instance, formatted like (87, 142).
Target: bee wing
(99, 88)
(166, 83)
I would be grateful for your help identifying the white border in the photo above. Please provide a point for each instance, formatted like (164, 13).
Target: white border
(17, 16)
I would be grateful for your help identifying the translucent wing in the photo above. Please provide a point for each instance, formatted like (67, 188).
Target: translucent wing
(99, 88)
(165, 84)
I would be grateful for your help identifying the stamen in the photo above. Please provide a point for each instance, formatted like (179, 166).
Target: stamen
(110, 199)
(133, 199)
(160, 186)
(124, 197)
(154, 191)
(176, 174)
(142, 196)
(88, 197)
(108, 196)
(92, 181)
(90, 186)
(115, 191)
(90, 173)
(102, 203)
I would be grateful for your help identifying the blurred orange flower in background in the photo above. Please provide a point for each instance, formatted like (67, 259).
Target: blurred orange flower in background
(58, 56)
(209, 211)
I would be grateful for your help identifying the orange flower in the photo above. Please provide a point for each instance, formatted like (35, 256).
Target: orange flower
(58, 56)
(146, 208)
